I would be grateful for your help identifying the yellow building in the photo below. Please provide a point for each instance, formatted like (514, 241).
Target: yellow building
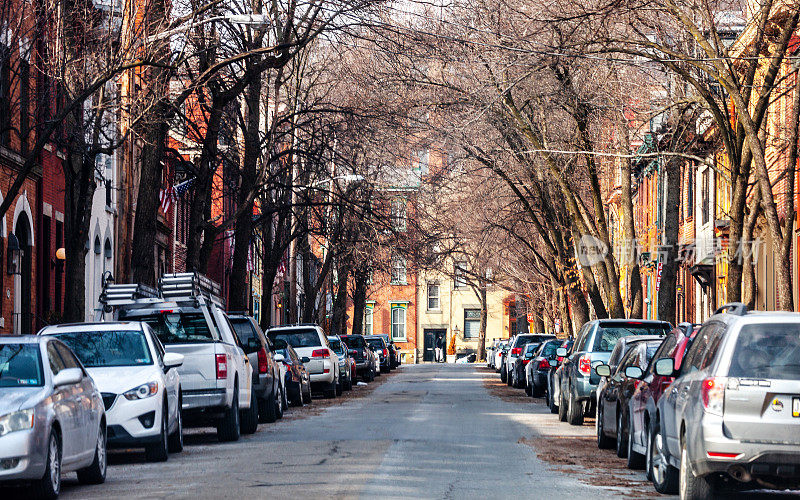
(448, 307)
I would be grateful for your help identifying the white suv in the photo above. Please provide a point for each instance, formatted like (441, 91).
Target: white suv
(311, 344)
(138, 380)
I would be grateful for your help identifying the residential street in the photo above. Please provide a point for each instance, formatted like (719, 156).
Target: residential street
(431, 431)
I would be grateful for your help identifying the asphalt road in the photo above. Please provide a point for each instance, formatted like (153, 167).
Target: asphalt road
(428, 431)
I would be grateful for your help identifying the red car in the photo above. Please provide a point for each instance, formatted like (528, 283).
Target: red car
(651, 386)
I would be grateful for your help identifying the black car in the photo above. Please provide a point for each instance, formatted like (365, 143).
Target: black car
(266, 372)
(538, 370)
(394, 352)
(551, 395)
(362, 353)
(378, 345)
(297, 381)
(518, 370)
(613, 415)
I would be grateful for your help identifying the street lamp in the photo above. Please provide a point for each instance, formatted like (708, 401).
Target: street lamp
(14, 263)
(347, 178)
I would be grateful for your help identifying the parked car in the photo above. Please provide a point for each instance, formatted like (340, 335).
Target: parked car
(490, 353)
(51, 416)
(394, 352)
(296, 379)
(497, 355)
(515, 347)
(538, 370)
(621, 349)
(361, 352)
(593, 345)
(138, 380)
(268, 384)
(340, 348)
(733, 411)
(518, 370)
(379, 347)
(216, 376)
(650, 389)
(613, 410)
(553, 394)
(309, 341)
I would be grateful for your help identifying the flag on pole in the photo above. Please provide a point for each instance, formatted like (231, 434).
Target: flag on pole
(658, 276)
(173, 193)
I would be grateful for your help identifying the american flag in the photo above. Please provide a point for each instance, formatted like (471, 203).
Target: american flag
(173, 193)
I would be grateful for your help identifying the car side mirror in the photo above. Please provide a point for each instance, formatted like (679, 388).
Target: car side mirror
(278, 357)
(553, 363)
(633, 372)
(67, 376)
(529, 355)
(352, 352)
(665, 367)
(305, 359)
(603, 370)
(561, 352)
(172, 360)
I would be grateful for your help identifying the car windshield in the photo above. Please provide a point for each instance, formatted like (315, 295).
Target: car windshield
(298, 337)
(354, 342)
(375, 343)
(609, 335)
(20, 365)
(108, 348)
(336, 346)
(767, 351)
(523, 341)
(178, 327)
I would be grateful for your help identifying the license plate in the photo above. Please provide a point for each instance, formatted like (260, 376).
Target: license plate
(796, 407)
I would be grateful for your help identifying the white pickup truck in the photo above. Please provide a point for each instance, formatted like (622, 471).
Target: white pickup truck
(216, 375)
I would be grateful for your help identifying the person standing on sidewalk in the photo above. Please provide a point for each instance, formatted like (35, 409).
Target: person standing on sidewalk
(439, 346)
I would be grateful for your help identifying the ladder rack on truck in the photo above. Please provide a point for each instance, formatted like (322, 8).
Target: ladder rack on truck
(175, 287)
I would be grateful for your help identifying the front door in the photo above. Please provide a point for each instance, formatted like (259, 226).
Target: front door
(430, 343)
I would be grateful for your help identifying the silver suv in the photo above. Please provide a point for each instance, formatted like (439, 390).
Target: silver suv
(731, 419)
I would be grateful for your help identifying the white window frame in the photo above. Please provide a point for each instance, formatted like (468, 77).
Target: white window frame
(398, 324)
(399, 215)
(369, 320)
(398, 266)
(470, 320)
(437, 297)
(460, 275)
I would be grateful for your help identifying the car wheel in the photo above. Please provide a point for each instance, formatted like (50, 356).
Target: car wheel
(159, 452)
(502, 374)
(332, 390)
(176, 438)
(509, 380)
(228, 426)
(562, 408)
(267, 409)
(635, 460)
(307, 394)
(603, 442)
(49, 485)
(529, 390)
(339, 388)
(622, 447)
(280, 403)
(663, 475)
(691, 486)
(299, 400)
(574, 411)
(348, 386)
(249, 418)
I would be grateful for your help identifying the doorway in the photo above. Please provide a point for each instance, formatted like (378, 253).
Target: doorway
(431, 334)
(22, 281)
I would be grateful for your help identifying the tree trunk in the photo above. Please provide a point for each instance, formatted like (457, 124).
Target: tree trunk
(78, 196)
(239, 289)
(339, 314)
(629, 255)
(481, 355)
(145, 225)
(669, 270)
(359, 301)
(749, 291)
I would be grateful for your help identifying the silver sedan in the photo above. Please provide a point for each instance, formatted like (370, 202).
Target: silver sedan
(51, 416)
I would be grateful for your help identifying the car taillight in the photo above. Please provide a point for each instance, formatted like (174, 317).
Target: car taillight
(516, 351)
(320, 353)
(713, 393)
(585, 365)
(544, 365)
(222, 366)
(526, 361)
(386, 353)
(263, 366)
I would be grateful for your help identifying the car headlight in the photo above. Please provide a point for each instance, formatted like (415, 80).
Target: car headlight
(142, 392)
(17, 421)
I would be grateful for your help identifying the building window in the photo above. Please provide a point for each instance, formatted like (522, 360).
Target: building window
(460, 280)
(368, 320)
(706, 194)
(399, 215)
(690, 193)
(398, 270)
(399, 323)
(433, 297)
(5, 95)
(472, 323)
